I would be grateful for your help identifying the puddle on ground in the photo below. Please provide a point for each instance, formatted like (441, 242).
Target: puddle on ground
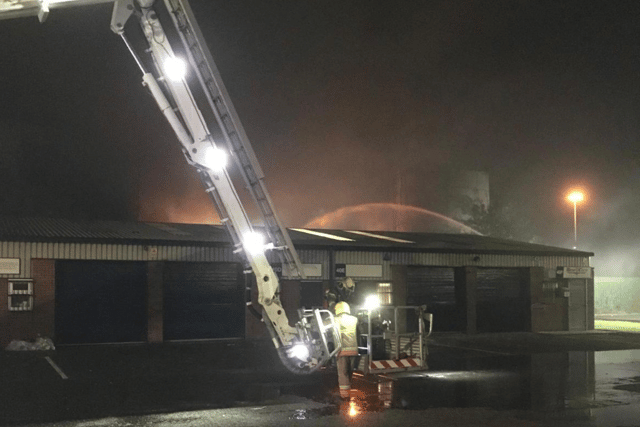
(597, 388)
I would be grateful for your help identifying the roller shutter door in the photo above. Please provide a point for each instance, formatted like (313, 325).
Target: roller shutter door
(435, 287)
(203, 300)
(100, 302)
(503, 302)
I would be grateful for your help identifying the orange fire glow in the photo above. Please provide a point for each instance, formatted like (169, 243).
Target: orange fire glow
(189, 209)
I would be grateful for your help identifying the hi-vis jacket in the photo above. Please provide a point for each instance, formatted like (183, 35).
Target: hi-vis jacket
(348, 335)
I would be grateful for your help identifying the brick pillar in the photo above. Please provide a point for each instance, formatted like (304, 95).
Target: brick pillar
(466, 297)
(155, 301)
(5, 336)
(43, 272)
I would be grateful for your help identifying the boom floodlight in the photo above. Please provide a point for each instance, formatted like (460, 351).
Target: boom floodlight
(175, 68)
(300, 351)
(254, 243)
(215, 159)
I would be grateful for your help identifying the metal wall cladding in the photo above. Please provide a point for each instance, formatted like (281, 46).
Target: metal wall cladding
(96, 251)
(387, 259)
(487, 260)
(27, 251)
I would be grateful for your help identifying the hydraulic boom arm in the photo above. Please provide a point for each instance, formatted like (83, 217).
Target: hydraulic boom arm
(193, 102)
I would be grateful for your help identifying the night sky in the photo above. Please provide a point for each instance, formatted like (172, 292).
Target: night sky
(343, 102)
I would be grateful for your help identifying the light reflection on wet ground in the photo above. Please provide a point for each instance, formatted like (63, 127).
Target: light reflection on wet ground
(574, 388)
(465, 387)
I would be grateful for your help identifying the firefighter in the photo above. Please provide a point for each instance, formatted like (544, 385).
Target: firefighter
(348, 353)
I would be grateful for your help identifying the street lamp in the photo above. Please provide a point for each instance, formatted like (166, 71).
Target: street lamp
(575, 197)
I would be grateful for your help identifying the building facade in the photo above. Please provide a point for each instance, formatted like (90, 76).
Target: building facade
(105, 282)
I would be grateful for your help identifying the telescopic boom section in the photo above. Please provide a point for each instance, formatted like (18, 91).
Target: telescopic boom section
(316, 332)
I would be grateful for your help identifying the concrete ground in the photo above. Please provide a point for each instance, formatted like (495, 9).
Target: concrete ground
(472, 381)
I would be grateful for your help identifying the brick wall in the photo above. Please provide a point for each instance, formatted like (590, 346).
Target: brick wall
(43, 272)
(28, 325)
(4, 314)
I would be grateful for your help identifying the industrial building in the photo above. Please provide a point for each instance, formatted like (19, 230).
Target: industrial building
(86, 282)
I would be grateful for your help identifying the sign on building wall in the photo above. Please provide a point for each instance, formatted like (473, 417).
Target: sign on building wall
(9, 265)
(310, 270)
(575, 272)
(358, 270)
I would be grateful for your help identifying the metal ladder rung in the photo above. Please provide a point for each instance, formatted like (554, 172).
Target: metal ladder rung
(212, 86)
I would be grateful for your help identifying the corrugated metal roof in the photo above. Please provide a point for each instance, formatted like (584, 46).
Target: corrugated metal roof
(430, 242)
(65, 230)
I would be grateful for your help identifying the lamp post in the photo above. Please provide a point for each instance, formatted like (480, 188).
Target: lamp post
(575, 197)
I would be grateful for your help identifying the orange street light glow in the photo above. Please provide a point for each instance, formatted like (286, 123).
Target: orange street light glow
(576, 196)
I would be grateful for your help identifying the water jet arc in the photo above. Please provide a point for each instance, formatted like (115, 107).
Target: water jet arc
(390, 217)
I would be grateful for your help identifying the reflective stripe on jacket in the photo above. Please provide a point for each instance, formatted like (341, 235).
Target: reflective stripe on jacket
(348, 335)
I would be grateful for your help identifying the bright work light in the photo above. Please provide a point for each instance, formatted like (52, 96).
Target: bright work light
(254, 243)
(371, 302)
(215, 159)
(299, 351)
(175, 68)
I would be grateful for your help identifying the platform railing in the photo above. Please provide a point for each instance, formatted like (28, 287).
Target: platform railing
(402, 344)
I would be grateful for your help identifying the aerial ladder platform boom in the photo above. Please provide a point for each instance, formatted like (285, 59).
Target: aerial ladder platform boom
(193, 104)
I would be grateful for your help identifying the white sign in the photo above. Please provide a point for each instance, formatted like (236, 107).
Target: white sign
(577, 273)
(310, 270)
(9, 265)
(360, 270)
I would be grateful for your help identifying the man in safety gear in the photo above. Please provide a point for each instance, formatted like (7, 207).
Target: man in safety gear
(347, 357)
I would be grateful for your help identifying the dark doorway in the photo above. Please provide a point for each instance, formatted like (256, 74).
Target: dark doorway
(100, 302)
(435, 287)
(503, 302)
(203, 300)
(311, 294)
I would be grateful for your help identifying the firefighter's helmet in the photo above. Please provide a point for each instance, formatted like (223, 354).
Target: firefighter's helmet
(342, 307)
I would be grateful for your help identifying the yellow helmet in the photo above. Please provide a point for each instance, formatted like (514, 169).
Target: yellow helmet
(342, 307)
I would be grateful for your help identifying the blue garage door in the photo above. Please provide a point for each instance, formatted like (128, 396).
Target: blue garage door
(435, 287)
(503, 301)
(100, 302)
(203, 300)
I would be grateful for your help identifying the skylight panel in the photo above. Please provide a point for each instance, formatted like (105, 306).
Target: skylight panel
(326, 235)
(378, 236)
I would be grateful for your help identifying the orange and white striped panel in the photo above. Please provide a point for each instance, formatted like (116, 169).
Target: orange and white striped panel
(410, 362)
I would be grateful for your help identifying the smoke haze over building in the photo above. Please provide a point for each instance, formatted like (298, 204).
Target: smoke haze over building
(339, 99)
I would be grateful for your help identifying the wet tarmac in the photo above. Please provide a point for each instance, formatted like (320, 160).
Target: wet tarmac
(471, 382)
